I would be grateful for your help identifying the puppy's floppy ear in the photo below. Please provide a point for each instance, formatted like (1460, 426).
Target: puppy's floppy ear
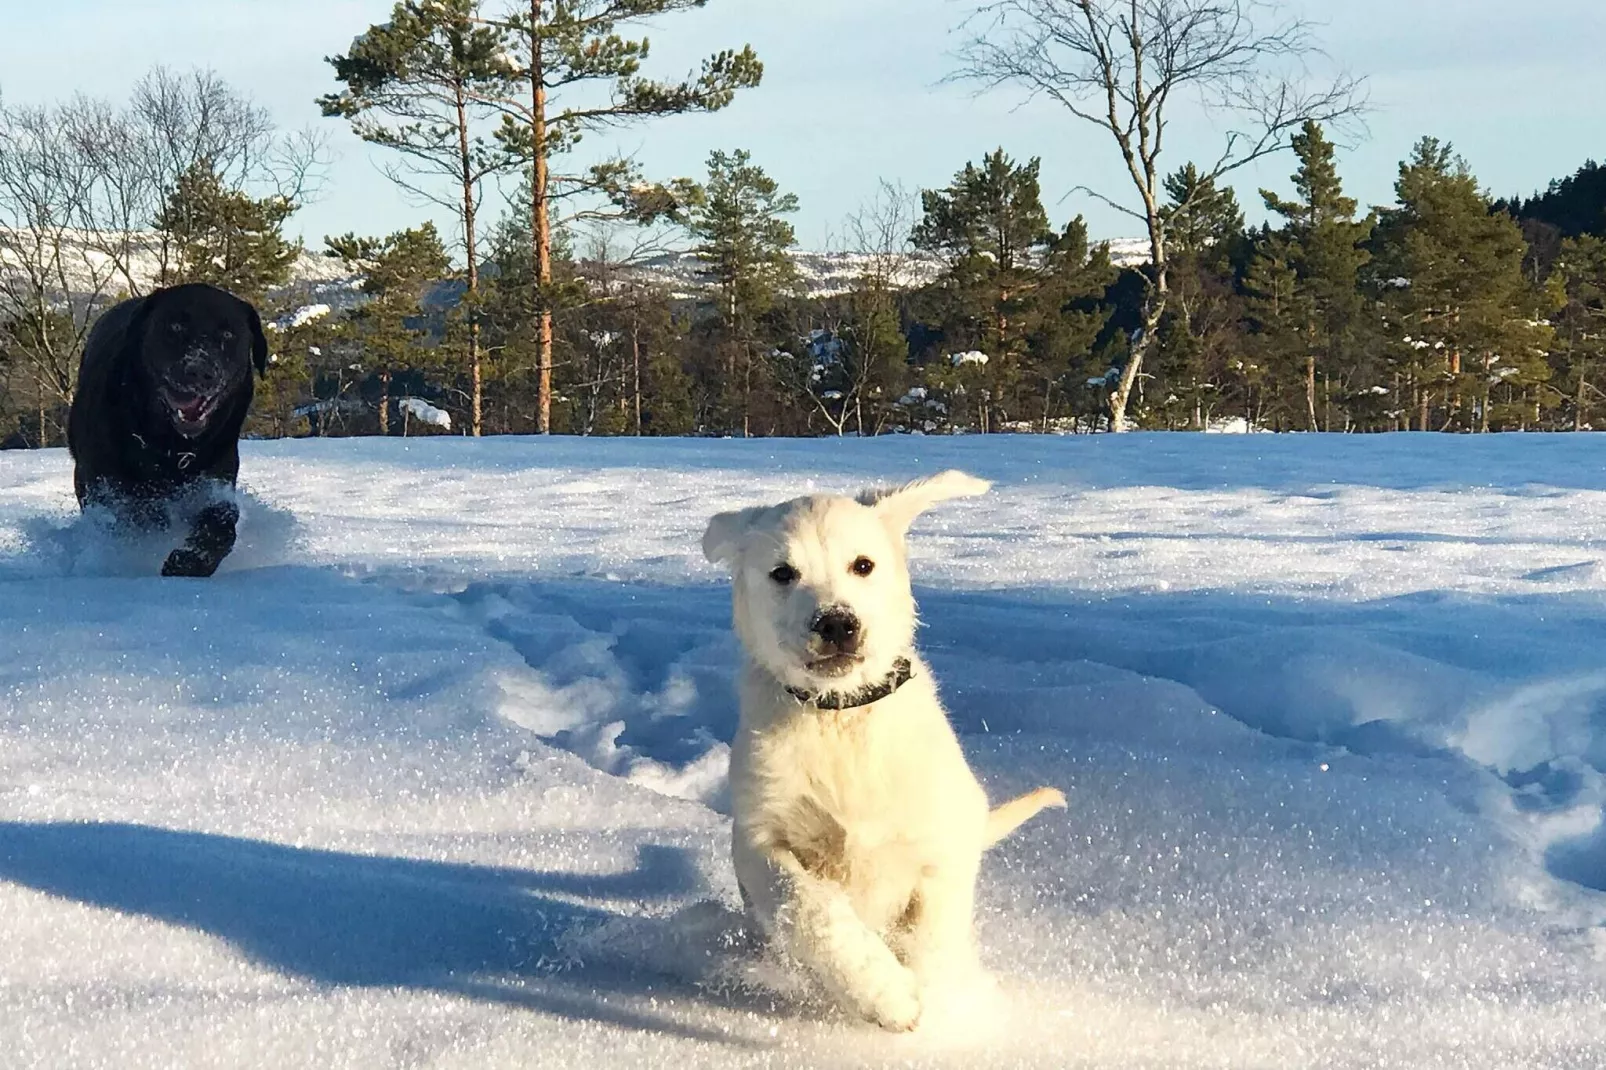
(259, 340)
(897, 507)
(727, 532)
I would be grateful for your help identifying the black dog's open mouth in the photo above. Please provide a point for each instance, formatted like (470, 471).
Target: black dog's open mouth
(835, 665)
(190, 410)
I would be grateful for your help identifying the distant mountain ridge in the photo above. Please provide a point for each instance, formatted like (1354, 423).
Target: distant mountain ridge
(98, 266)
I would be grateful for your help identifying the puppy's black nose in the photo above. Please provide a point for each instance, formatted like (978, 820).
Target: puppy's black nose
(839, 628)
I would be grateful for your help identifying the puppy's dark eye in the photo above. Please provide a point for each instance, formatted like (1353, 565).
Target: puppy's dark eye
(785, 575)
(862, 567)
(227, 336)
(176, 327)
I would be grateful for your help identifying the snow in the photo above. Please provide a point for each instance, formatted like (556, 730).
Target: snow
(432, 772)
(423, 411)
(90, 267)
(102, 263)
(300, 317)
(971, 356)
(823, 274)
(1230, 425)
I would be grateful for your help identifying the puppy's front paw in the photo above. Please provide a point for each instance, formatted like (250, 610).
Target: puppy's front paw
(896, 1007)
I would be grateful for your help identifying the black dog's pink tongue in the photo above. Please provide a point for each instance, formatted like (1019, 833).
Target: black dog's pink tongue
(191, 410)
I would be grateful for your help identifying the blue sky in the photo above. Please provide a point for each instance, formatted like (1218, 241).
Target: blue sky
(854, 93)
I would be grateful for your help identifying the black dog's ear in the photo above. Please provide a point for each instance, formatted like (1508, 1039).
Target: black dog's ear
(259, 340)
(134, 329)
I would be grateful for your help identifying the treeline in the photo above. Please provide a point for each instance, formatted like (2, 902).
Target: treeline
(966, 310)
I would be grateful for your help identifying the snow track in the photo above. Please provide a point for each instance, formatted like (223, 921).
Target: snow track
(432, 774)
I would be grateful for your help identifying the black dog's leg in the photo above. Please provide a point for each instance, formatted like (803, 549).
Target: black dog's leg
(211, 539)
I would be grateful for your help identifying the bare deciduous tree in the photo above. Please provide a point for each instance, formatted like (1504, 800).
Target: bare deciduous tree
(82, 186)
(50, 281)
(172, 125)
(879, 235)
(1123, 65)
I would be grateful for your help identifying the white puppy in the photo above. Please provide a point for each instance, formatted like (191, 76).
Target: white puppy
(859, 827)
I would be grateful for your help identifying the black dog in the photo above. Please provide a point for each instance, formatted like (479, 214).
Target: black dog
(163, 390)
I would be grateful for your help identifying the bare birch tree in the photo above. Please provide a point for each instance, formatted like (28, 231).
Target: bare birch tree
(50, 283)
(1124, 66)
(83, 186)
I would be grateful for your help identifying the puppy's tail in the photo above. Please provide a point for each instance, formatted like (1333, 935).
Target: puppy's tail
(1007, 817)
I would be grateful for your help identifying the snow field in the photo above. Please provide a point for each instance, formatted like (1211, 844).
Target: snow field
(431, 774)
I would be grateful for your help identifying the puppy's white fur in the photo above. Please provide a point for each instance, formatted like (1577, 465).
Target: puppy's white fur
(858, 832)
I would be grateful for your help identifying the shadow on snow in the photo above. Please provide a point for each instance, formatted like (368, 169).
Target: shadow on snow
(484, 933)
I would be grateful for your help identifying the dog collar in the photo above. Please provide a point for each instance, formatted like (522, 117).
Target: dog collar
(901, 674)
(184, 459)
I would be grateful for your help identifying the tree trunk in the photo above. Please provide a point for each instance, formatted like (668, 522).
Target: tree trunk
(1423, 399)
(1154, 310)
(466, 159)
(1455, 387)
(541, 223)
(747, 393)
(1578, 405)
(1310, 390)
(384, 403)
(635, 356)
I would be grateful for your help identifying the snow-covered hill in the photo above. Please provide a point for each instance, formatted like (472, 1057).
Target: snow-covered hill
(431, 775)
(96, 263)
(100, 265)
(825, 274)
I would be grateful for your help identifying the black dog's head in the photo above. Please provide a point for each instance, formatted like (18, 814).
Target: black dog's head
(196, 345)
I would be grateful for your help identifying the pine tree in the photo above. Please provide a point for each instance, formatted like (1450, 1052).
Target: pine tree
(389, 330)
(430, 70)
(1575, 206)
(1324, 245)
(1201, 218)
(990, 228)
(1194, 350)
(297, 344)
(876, 355)
(667, 404)
(225, 237)
(1462, 317)
(1581, 325)
(742, 241)
(1277, 311)
(579, 74)
(1066, 317)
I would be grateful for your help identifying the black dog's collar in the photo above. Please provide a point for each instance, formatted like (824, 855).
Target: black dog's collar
(184, 459)
(901, 674)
